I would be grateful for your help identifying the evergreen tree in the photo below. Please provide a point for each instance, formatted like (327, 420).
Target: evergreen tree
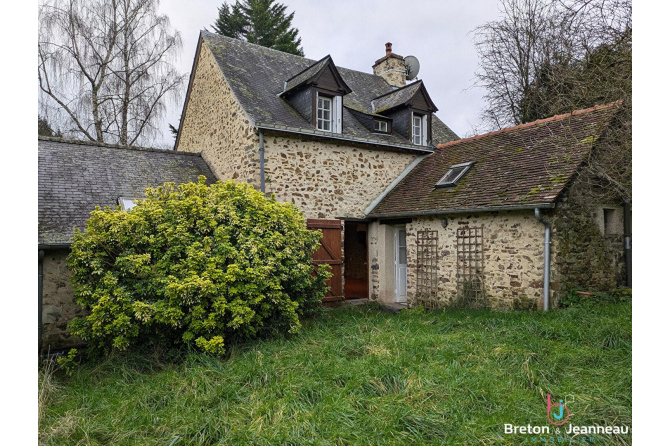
(261, 22)
(45, 129)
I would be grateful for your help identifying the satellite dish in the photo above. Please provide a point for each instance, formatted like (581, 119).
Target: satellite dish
(412, 67)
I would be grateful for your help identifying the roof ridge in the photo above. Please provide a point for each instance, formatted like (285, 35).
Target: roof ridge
(217, 35)
(398, 89)
(111, 146)
(536, 122)
(294, 55)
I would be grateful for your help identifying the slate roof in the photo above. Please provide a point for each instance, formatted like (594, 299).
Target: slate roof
(396, 98)
(307, 74)
(524, 166)
(257, 74)
(74, 177)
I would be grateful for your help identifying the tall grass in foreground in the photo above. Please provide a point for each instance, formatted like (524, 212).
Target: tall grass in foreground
(358, 375)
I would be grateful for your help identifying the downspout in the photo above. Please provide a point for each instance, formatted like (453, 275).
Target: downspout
(547, 243)
(40, 280)
(261, 151)
(628, 250)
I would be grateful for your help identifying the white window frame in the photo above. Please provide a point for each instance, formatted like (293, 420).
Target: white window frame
(455, 180)
(383, 126)
(335, 113)
(422, 129)
(127, 203)
(321, 121)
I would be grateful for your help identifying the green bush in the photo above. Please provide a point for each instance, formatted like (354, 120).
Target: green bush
(194, 265)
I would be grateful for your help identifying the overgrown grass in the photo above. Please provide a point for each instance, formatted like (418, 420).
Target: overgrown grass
(358, 375)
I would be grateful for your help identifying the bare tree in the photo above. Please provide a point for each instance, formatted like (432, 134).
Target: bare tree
(546, 44)
(105, 68)
(547, 57)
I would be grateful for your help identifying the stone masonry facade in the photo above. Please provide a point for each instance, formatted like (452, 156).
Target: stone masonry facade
(216, 125)
(329, 179)
(513, 257)
(58, 309)
(590, 250)
(513, 254)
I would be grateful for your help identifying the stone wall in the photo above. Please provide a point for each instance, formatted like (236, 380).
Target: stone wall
(591, 255)
(58, 307)
(328, 179)
(513, 253)
(215, 124)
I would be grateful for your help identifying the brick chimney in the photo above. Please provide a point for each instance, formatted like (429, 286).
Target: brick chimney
(391, 67)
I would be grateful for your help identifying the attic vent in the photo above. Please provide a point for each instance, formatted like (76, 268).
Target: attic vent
(454, 174)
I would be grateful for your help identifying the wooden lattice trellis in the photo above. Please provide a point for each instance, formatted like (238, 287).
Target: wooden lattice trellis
(426, 269)
(470, 266)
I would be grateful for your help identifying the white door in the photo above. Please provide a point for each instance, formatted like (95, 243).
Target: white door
(400, 265)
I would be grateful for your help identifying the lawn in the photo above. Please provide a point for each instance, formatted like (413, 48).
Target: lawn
(358, 375)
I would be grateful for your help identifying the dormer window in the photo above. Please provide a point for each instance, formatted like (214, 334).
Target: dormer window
(381, 126)
(419, 129)
(454, 174)
(316, 93)
(328, 113)
(324, 114)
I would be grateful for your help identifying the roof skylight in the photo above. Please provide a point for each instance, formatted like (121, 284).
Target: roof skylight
(454, 174)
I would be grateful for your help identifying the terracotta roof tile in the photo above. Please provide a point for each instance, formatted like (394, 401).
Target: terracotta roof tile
(529, 164)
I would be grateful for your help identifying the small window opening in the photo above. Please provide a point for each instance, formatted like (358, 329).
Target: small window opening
(417, 129)
(127, 203)
(454, 174)
(609, 222)
(381, 126)
(324, 114)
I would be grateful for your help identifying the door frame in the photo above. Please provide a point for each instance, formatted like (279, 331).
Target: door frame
(396, 264)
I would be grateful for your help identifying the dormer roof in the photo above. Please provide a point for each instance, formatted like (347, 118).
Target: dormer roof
(414, 94)
(311, 75)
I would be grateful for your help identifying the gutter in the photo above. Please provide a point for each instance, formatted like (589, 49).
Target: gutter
(547, 259)
(40, 298)
(47, 246)
(628, 250)
(520, 207)
(260, 126)
(261, 152)
(373, 204)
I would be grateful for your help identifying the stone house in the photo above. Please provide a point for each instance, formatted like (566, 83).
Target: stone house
(472, 220)
(410, 213)
(331, 139)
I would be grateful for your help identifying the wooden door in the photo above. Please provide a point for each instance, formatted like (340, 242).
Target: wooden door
(329, 253)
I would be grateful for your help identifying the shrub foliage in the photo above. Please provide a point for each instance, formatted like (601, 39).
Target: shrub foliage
(195, 264)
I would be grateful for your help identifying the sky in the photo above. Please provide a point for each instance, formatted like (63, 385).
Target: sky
(354, 33)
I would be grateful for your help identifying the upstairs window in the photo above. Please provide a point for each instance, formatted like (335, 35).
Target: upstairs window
(381, 126)
(454, 174)
(324, 114)
(329, 113)
(419, 129)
